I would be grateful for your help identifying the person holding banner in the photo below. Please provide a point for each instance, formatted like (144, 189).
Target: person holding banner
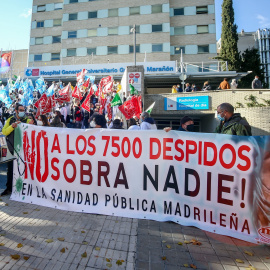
(8, 131)
(147, 122)
(231, 123)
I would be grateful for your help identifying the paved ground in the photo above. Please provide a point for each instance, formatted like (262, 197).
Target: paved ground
(43, 238)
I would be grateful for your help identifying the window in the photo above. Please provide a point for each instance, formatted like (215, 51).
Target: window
(72, 34)
(91, 51)
(178, 11)
(202, 10)
(92, 33)
(73, 1)
(134, 10)
(72, 16)
(179, 30)
(112, 31)
(156, 9)
(113, 12)
(57, 22)
(55, 56)
(38, 57)
(157, 47)
(56, 39)
(71, 52)
(177, 49)
(202, 29)
(137, 27)
(112, 49)
(58, 6)
(39, 40)
(131, 50)
(203, 49)
(41, 8)
(157, 28)
(92, 14)
(40, 24)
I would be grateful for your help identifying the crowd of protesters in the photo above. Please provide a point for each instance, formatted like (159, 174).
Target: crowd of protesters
(72, 115)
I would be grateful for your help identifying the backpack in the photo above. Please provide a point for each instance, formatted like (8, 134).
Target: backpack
(245, 123)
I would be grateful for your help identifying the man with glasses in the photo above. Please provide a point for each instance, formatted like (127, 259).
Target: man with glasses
(8, 131)
(231, 123)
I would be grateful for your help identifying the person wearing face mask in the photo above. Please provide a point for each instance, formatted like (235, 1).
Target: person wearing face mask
(43, 121)
(231, 123)
(186, 124)
(8, 130)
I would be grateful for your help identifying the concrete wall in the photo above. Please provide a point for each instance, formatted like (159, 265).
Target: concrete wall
(258, 117)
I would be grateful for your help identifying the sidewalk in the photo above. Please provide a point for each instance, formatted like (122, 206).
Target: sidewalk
(46, 238)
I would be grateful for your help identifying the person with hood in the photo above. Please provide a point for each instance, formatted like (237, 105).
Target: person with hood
(8, 130)
(147, 122)
(231, 123)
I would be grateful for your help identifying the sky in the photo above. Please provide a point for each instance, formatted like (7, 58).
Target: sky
(15, 20)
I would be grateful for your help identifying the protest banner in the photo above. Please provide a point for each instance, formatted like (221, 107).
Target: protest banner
(219, 183)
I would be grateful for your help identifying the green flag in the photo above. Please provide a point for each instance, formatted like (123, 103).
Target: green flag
(132, 89)
(116, 100)
(150, 108)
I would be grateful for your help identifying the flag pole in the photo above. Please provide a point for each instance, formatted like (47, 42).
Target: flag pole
(11, 63)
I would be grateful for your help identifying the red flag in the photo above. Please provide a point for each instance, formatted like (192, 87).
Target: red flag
(103, 102)
(103, 82)
(86, 103)
(48, 106)
(63, 98)
(77, 93)
(91, 91)
(130, 108)
(140, 106)
(65, 90)
(109, 110)
(80, 76)
(106, 80)
(42, 101)
(87, 82)
(108, 87)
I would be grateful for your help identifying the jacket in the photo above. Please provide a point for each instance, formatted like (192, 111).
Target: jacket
(8, 131)
(256, 84)
(224, 85)
(148, 123)
(236, 125)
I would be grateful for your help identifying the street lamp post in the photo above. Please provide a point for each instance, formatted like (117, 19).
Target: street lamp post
(133, 30)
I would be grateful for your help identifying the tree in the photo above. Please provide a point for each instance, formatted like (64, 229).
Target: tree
(250, 61)
(229, 38)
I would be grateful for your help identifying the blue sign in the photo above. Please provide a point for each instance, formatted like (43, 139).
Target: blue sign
(187, 103)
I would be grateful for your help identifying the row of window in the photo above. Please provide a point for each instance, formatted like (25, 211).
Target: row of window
(201, 29)
(132, 10)
(56, 22)
(42, 8)
(114, 50)
(115, 12)
(199, 10)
